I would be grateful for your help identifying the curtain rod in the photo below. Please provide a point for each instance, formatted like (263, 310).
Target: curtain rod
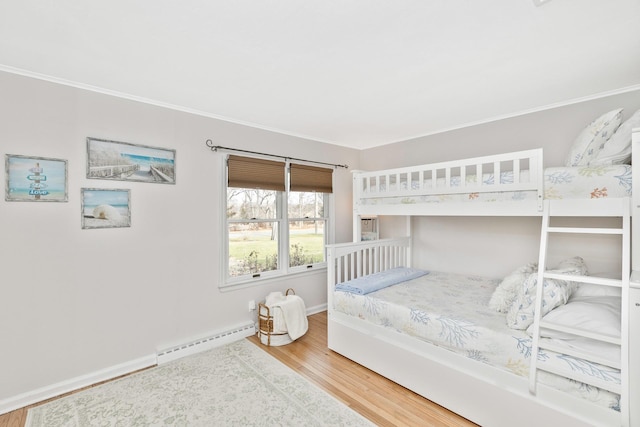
(219, 147)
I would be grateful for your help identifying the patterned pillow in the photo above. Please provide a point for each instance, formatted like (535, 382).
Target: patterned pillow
(555, 293)
(591, 140)
(617, 150)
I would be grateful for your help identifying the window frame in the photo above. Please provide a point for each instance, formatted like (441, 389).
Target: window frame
(282, 219)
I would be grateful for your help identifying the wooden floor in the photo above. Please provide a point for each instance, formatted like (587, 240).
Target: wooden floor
(382, 401)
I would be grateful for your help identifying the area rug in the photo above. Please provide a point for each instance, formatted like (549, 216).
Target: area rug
(234, 385)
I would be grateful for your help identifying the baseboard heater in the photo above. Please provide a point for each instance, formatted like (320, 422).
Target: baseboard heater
(202, 344)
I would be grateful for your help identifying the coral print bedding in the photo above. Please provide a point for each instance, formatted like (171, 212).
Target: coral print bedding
(580, 182)
(587, 182)
(452, 311)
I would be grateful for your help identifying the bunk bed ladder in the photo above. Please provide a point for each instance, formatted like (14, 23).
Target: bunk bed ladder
(622, 340)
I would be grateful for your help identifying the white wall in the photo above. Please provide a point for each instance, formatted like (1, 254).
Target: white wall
(73, 301)
(496, 246)
(554, 130)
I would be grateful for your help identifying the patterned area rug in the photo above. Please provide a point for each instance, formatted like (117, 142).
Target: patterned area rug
(234, 385)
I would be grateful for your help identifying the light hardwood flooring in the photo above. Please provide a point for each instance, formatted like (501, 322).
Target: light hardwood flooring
(380, 400)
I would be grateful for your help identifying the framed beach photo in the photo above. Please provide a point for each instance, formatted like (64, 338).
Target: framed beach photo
(123, 161)
(35, 179)
(106, 208)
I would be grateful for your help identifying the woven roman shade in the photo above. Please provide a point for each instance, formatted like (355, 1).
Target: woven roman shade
(310, 178)
(249, 172)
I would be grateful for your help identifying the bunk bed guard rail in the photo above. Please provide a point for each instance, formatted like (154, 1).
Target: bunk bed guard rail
(346, 261)
(456, 177)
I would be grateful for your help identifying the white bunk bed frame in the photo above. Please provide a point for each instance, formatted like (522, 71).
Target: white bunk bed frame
(484, 394)
(420, 181)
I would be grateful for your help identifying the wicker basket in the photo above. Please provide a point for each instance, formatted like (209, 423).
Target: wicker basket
(265, 326)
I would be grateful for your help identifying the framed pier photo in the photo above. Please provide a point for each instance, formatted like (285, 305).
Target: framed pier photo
(35, 179)
(123, 161)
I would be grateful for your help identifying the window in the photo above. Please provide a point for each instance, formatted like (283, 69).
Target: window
(276, 218)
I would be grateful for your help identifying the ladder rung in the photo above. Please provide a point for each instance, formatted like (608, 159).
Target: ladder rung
(607, 385)
(616, 283)
(581, 332)
(584, 230)
(550, 345)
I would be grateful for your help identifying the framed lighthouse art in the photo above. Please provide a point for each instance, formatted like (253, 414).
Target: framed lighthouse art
(35, 179)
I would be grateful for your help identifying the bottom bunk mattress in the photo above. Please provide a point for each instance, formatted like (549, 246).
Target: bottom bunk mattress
(452, 311)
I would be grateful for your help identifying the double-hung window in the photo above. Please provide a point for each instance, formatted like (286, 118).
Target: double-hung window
(277, 219)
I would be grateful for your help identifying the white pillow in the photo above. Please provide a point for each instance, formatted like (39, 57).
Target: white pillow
(591, 290)
(617, 150)
(601, 314)
(555, 293)
(592, 138)
(598, 314)
(574, 265)
(507, 291)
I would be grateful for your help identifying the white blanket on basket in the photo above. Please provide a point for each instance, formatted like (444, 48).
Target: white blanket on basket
(289, 314)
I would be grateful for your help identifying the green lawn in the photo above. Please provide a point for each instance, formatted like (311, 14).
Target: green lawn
(312, 245)
(240, 247)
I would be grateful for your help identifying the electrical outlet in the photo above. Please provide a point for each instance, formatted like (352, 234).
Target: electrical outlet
(252, 305)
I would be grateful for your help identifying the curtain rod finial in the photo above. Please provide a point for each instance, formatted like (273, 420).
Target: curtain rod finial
(209, 144)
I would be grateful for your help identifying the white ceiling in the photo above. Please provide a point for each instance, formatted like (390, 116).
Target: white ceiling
(358, 73)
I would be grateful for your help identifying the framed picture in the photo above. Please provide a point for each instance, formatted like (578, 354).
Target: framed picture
(35, 179)
(130, 162)
(106, 208)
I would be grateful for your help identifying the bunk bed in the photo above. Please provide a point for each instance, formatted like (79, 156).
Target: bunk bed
(371, 322)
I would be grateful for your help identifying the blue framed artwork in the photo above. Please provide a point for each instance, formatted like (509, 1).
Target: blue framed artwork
(106, 208)
(123, 161)
(35, 179)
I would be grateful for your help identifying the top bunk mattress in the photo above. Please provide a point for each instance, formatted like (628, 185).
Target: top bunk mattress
(584, 182)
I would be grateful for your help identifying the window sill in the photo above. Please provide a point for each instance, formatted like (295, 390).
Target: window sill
(259, 281)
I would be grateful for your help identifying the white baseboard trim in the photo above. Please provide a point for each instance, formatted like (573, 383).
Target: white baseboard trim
(44, 393)
(316, 309)
(53, 390)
